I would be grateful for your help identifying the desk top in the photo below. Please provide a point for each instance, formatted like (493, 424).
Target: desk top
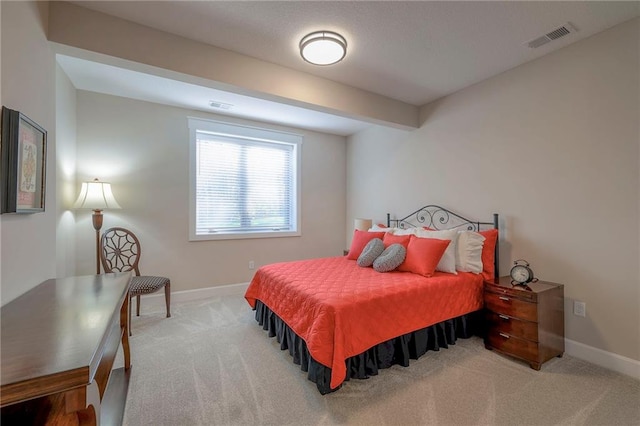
(51, 336)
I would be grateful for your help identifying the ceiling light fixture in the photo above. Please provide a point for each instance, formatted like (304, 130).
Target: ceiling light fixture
(323, 48)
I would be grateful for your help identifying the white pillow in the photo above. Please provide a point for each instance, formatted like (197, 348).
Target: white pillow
(394, 231)
(469, 252)
(448, 260)
(402, 231)
(377, 228)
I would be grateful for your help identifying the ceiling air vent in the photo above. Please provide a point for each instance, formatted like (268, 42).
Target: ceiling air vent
(219, 105)
(554, 34)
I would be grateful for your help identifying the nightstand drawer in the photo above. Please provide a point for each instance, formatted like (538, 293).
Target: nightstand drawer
(507, 305)
(521, 348)
(512, 326)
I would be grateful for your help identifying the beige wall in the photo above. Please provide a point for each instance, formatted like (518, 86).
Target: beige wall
(65, 174)
(143, 150)
(28, 85)
(552, 146)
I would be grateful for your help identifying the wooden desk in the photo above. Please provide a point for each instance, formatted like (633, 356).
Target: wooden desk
(58, 344)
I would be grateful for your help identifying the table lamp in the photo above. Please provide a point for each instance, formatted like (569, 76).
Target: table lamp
(362, 224)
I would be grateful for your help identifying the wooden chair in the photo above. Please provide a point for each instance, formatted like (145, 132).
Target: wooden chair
(120, 251)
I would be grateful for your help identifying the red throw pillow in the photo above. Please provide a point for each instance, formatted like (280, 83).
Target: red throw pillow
(489, 253)
(360, 239)
(423, 255)
(389, 239)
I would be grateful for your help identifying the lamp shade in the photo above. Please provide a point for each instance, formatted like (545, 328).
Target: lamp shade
(96, 195)
(362, 224)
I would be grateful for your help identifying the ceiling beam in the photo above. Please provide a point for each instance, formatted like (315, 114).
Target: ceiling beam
(85, 29)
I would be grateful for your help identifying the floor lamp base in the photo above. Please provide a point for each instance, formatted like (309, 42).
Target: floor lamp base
(97, 224)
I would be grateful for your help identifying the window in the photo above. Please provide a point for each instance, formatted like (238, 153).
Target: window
(244, 181)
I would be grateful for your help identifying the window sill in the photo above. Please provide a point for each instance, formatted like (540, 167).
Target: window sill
(243, 236)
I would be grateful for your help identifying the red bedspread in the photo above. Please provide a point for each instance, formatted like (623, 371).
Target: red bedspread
(340, 309)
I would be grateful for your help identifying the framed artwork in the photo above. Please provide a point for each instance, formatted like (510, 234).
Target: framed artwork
(23, 163)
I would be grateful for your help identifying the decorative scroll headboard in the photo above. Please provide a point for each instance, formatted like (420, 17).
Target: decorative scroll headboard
(438, 218)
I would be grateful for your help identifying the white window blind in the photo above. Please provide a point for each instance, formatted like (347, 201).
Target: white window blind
(246, 181)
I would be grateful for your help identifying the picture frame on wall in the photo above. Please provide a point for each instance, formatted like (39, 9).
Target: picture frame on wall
(23, 163)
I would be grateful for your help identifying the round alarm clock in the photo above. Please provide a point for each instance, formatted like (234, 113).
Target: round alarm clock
(521, 273)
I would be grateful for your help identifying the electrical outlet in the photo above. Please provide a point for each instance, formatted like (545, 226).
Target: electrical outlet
(251, 264)
(579, 308)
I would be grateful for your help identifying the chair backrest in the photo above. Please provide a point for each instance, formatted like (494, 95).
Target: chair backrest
(120, 250)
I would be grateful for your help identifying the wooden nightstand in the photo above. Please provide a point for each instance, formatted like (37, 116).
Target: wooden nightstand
(525, 322)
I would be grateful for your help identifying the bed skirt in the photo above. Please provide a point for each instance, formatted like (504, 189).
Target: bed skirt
(395, 351)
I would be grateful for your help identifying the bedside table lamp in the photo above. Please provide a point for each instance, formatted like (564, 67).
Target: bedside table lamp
(362, 224)
(97, 196)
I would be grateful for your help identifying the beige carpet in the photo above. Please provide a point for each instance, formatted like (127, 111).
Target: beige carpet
(211, 364)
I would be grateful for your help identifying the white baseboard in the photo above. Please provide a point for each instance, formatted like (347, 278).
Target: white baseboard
(605, 359)
(609, 360)
(156, 300)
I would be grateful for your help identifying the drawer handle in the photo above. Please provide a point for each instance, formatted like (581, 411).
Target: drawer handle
(503, 298)
(504, 317)
(506, 336)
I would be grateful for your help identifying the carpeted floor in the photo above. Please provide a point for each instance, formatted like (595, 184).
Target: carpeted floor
(211, 364)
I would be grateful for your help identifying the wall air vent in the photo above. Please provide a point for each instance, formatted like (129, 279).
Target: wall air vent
(554, 34)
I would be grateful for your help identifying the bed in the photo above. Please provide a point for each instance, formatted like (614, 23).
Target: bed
(340, 321)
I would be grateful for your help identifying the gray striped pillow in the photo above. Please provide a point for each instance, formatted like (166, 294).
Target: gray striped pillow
(370, 252)
(390, 258)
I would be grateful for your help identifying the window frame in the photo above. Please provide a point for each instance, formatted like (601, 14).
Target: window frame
(238, 131)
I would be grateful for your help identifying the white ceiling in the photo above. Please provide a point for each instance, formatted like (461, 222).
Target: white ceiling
(414, 52)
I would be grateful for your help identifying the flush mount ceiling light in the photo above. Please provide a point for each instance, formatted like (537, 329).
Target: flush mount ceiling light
(323, 48)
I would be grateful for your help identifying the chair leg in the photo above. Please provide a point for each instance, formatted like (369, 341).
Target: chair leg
(167, 298)
(138, 305)
(130, 314)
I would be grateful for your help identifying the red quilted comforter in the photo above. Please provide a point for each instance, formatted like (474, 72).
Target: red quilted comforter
(340, 309)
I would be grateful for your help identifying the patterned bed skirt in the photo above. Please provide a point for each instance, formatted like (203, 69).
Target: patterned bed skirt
(395, 351)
